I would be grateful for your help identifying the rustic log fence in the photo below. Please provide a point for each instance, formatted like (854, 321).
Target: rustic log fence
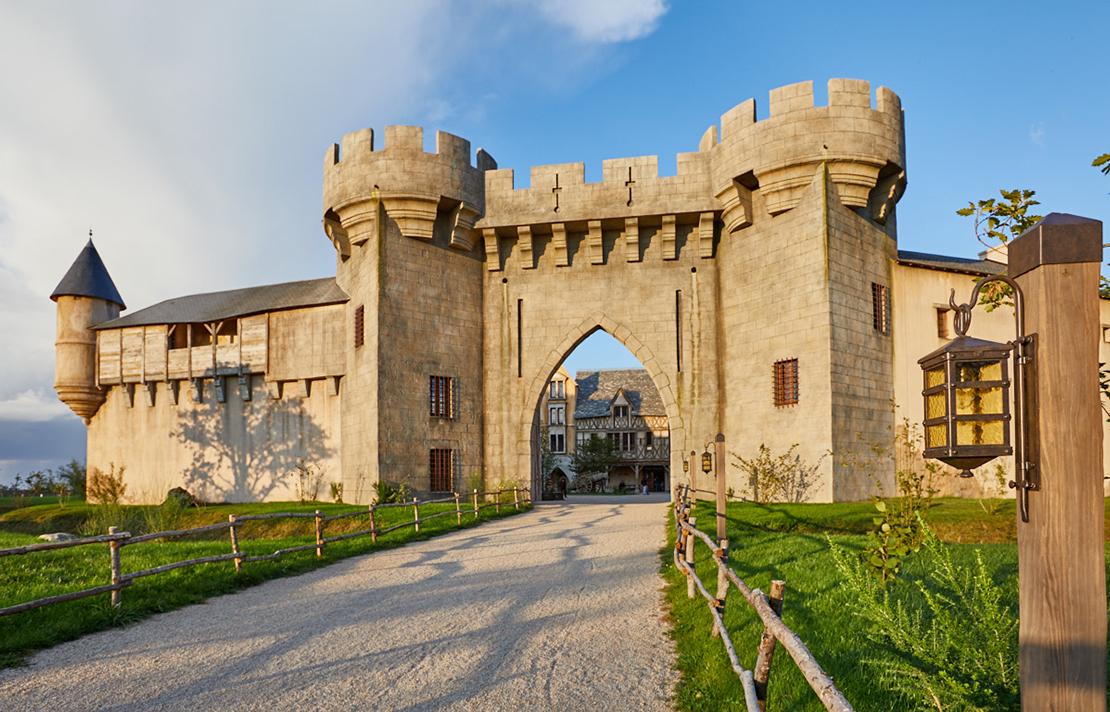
(116, 540)
(769, 609)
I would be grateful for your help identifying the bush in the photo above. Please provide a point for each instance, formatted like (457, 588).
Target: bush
(106, 488)
(951, 636)
(309, 478)
(778, 478)
(336, 489)
(386, 492)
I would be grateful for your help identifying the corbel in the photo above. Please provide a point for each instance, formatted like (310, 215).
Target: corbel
(632, 239)
(667, 236)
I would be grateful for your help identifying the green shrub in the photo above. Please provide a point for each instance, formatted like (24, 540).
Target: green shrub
(386, 492)
(951, 637)
(107, 487)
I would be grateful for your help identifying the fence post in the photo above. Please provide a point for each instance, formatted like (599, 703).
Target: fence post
(235, 542)
(113, 555)
(722, 581)
(516, 498)
(497, 502)
(722, 482)
(373, 527)
(319, 534)
(416, 513)
(475, 503)
(458, 509)
(689, 546)
(766, 652)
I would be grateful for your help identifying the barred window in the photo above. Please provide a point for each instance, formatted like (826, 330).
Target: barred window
(786, 382)
(441, 396)
(360, 325)
(880, 308)
(439, 469)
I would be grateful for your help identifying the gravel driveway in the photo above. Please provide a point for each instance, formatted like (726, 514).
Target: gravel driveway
(558, 608)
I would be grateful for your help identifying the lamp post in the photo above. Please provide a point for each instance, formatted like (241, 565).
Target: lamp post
(1053, 269)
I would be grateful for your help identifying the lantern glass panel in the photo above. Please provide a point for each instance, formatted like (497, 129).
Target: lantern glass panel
(980, 432)
(936, 405)
(979, 371)
(979, 401)
(937, 435)
(934, 377)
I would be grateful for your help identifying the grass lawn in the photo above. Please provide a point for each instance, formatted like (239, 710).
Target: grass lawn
(789, 542)
(32, 576)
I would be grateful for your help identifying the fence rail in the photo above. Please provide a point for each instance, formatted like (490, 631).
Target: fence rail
(116, 540)
(754, 682)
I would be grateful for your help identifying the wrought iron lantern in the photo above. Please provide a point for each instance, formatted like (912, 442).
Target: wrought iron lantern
(967, 403)
(685, 465)
(706, 461)
(967, 396)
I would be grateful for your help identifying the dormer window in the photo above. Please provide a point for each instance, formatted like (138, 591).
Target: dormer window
(620, 411)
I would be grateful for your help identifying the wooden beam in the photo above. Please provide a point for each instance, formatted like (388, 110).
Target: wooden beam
(1061, 559)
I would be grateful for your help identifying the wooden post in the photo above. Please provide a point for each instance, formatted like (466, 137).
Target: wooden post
(766, 651)
(475, 503)
(458, 510)
(319, 534)
(497, 502)
(235, 542)
(1061, 560)
(113, 556)
(722, 582)
(516, 498)
(694, 467)
(689, 547)
(722, 481)
(416, 513)
(373, 527)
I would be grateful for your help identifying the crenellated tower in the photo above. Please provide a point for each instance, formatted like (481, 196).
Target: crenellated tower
(401, 220)
(86, 296)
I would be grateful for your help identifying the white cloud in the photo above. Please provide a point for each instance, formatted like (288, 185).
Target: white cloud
(605, 20)
(33, 406)
(1037, 134)
(190, 136)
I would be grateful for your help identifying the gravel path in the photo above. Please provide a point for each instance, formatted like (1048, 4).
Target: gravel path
(558, 608)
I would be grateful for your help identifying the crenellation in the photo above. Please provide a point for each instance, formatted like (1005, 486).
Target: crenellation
(850, 92)
(356, 143)
(887, 102)
(622, 170)
(708, 139)
(406, 138)
(791, 98)
(452, 147)
(737, 118)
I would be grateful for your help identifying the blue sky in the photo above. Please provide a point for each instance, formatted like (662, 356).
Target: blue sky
(190, 137)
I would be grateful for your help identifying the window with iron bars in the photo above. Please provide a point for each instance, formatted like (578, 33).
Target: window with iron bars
(786, 382)
(360, 325)
(439, 469)
(880, 308)
(441, 396)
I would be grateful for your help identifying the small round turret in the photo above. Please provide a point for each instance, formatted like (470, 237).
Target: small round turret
(86, 296)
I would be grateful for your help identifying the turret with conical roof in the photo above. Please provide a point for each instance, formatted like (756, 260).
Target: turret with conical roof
(86, 296)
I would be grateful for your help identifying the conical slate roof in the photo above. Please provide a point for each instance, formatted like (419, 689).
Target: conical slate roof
(88, 277)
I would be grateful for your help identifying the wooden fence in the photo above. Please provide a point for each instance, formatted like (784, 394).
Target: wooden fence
(769, 609)
(465, 506)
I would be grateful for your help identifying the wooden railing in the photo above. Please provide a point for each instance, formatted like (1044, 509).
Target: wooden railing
(465, 506)
(769, 609)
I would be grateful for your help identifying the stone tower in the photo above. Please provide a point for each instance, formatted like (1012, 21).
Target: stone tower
(86, 296)
(401, 220)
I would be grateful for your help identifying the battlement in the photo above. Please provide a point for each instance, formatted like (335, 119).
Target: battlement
(364, 184)
(778, 155)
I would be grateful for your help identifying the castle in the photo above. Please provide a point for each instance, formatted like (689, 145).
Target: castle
(761, 287)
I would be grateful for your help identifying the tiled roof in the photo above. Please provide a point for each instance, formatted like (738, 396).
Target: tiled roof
(88, 277)
(596, 390)
(215, 306)
(950, 264)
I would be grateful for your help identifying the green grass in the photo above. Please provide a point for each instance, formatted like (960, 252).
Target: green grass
(32, 576)
(789, 542)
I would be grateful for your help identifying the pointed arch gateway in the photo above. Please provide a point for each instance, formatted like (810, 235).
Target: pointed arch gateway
(528, 422)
